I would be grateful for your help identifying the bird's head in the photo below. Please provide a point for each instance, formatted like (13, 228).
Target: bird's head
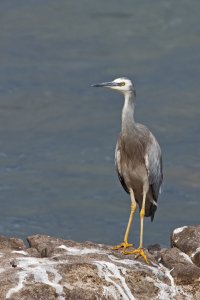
(122, 84)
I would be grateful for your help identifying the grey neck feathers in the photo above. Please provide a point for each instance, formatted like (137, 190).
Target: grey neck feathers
(128, 122)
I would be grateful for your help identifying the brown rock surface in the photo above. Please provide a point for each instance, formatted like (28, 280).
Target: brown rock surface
(187, 239)
(54, 268)
(183, 269)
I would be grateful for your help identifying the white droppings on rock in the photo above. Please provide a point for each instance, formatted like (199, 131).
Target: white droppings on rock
(22, 277)
(185, 295)
(128, 262)
(20, 252)
(165, 291)
(196, 251)
(112, 274)
(179, 230)
(79, 251)
(186, 257)
(39, 269)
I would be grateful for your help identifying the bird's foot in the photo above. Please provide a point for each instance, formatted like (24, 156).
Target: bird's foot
(138, 252)
(123, 245)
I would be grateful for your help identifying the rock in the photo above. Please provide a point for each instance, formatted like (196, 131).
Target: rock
(52, 268)
(196, 257)
(187, 239)
(11, 243)
(183, 269)
(154, 250)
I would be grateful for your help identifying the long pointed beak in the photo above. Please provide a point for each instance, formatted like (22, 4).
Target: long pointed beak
(105, 84)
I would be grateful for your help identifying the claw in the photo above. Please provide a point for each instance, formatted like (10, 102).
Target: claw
(123, 245)
(138, 252)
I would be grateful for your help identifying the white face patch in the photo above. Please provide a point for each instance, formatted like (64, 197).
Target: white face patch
(124, 85)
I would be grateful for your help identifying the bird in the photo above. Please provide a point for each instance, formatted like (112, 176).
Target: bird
(138, 162)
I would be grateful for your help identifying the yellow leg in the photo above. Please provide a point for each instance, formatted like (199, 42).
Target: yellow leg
(125, 243)
(139, 251)
(142, 214)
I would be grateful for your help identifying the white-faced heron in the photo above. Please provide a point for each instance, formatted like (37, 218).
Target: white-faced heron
(138, 162)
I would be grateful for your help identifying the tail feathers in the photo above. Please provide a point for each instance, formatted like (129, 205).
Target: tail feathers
(153, 209)
(150, 208)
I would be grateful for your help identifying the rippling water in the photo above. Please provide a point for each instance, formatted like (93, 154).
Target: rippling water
(57, 135)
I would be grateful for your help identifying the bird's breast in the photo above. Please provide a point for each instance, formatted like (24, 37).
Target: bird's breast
(131, 166)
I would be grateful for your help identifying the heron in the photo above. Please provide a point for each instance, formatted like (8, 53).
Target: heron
(138, 162)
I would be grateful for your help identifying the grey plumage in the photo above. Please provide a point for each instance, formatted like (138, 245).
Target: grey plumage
(138, 160)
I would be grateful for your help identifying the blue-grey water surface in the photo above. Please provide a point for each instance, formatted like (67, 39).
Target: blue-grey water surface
(58, 135)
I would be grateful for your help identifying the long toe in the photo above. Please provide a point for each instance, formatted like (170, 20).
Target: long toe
(123, 245)
(138, 252)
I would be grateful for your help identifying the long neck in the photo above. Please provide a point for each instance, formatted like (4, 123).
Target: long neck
(128, 122)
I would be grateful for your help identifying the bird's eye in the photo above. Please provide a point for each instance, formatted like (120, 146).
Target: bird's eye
(122, 83)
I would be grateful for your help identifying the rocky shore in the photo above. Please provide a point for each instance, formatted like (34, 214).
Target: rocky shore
(52, 268)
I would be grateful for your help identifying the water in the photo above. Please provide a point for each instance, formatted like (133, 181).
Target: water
(58, 135)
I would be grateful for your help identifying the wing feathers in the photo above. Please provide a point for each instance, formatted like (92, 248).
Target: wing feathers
(153, 162)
